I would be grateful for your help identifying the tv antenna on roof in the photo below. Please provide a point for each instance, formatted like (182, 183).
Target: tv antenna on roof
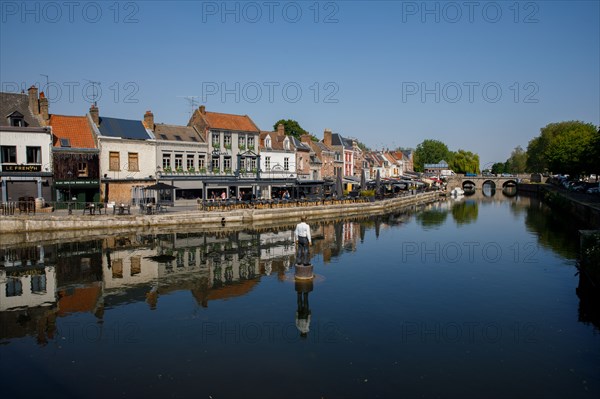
(192, 102)
(94, 91)
(47, 82)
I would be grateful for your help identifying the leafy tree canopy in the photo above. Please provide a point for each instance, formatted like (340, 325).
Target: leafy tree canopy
(430, 151)
(292, 128)
(569, 147)
(464, 162)
(517, 163)
(498, 168)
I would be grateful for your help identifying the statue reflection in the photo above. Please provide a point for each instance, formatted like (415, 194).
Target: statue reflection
(303, 287)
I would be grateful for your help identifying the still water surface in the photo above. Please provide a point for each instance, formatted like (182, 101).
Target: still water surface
(460, 299)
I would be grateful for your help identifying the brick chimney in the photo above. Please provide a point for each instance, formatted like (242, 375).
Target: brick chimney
(280, 130)
(149, 120)
(34, 105)
(327, 137)
(202, 110)
(95, 114)
(305, 138)
(44, 109)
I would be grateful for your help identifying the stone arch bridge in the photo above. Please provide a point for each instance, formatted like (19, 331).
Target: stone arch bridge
(477, 182)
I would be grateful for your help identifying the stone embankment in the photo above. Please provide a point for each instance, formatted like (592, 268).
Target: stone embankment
(52, 223)
(581, 206)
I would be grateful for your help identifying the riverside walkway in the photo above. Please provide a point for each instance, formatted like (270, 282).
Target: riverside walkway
(191, 216)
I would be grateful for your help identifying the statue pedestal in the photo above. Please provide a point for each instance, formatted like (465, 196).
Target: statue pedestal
(304, 272)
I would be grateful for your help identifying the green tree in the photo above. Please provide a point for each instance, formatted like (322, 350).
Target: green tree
(464, 162)
(498, 168)
(564, 147)
(292, 128)
(517, 163)
(430, 151)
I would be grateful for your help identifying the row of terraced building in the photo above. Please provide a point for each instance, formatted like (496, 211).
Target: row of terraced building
(96, 158)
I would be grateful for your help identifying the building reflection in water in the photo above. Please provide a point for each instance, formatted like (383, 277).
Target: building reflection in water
(40, 283)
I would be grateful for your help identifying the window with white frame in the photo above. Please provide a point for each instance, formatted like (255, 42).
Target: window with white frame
(166, 161)
(189, 161)
(201, 162)
(215, 164)
(227, 164)
(286, 164)
(227, 140)
(242, 141)
(251, 142)
(267, 142)
(267, 163)
(178, 161)
(216, 139)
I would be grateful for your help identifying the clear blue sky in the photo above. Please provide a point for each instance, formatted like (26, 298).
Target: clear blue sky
(482, 76)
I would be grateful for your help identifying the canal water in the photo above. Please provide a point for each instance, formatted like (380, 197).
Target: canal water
(464, 298)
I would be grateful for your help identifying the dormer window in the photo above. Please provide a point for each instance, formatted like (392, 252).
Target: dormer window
(65, 143)
(268, 142)
(286, 144)
(16, 119)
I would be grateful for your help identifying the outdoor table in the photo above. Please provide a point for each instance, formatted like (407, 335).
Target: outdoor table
(91, 208)
(120, 209)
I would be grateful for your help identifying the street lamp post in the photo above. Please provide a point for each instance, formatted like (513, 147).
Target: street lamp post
(70, 174)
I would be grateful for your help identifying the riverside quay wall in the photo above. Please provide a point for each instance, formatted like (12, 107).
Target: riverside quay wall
(239, 217)
(588, 213)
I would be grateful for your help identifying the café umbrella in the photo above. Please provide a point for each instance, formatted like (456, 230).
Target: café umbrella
(159, 188)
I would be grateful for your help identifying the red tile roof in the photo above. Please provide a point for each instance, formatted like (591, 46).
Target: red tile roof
(75, 128)
(217, 120)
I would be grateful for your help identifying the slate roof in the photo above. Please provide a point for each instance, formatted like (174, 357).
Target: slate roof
(177, 133)
(299, 145)
(76, 129)
(124, 128)
(323, 147)
(11, 102)
(338, 140)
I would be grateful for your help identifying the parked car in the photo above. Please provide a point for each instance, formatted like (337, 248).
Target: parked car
(593, 190)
